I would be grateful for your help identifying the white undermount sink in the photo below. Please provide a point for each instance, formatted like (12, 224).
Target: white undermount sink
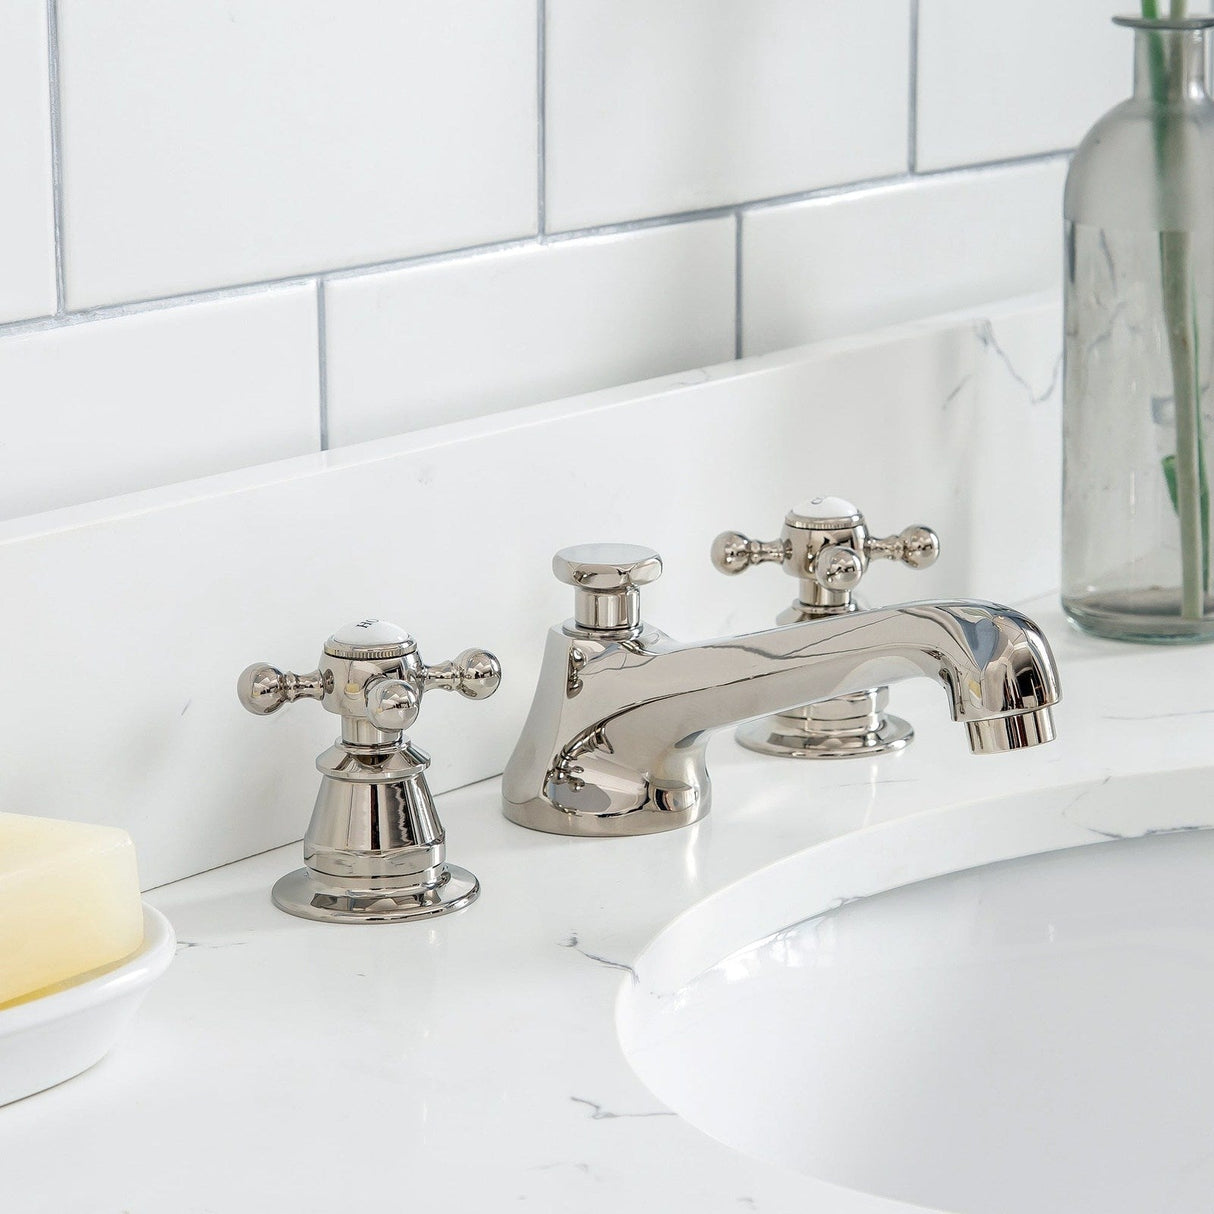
(1024, 1036)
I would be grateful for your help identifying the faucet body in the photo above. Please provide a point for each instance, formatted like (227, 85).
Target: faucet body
(614, 743)
(375, 850)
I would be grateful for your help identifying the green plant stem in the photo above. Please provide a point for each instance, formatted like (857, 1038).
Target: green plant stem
(1175, 259)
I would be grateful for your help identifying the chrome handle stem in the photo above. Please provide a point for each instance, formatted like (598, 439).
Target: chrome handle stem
(264, 689)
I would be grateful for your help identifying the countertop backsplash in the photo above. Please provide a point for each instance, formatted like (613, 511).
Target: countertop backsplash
(237, 233)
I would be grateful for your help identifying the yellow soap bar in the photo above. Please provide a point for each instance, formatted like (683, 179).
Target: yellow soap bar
(69, 902)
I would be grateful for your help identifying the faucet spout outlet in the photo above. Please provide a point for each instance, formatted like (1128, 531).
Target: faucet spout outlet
(614, 744)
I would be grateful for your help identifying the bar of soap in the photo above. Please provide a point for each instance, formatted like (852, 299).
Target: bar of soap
(69, 902)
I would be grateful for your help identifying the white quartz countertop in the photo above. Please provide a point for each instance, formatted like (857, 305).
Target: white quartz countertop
(474, 1061)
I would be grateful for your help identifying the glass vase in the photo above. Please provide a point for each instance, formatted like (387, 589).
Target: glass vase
(1139, 346)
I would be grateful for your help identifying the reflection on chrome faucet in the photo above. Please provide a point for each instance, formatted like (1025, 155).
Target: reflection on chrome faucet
(826, 545)
(614, 743)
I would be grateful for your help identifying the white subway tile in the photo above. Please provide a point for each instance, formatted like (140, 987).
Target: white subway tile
(662, 106)
(27, 249)
(110, 406)
(461, 338)
(849, 262)
(209, 144)
(996, 80)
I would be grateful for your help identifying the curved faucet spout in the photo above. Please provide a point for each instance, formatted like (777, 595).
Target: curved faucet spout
(615, 741)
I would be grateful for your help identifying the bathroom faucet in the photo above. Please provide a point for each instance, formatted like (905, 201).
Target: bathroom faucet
(614, 743)
(375, 850)
(826, 545)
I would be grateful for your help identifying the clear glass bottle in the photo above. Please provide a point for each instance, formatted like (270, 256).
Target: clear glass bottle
(1139, 351)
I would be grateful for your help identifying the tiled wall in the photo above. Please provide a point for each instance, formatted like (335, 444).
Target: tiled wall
(233, 231)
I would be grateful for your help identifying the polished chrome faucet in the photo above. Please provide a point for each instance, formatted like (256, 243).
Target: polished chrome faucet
(614, 743)
(826, 545)
(375, 850)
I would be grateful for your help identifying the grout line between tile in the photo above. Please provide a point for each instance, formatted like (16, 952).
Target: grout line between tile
(873, 183)
(66, 318)
(912, 109)
(830, 191)
(322, 364)
(541, 112)
(642, 225)
(1007, 162)
(52, 52)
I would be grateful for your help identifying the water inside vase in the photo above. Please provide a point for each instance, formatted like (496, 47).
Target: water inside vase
(1128, 571)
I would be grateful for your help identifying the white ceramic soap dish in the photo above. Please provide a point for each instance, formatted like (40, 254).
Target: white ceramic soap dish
(50, 1039)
